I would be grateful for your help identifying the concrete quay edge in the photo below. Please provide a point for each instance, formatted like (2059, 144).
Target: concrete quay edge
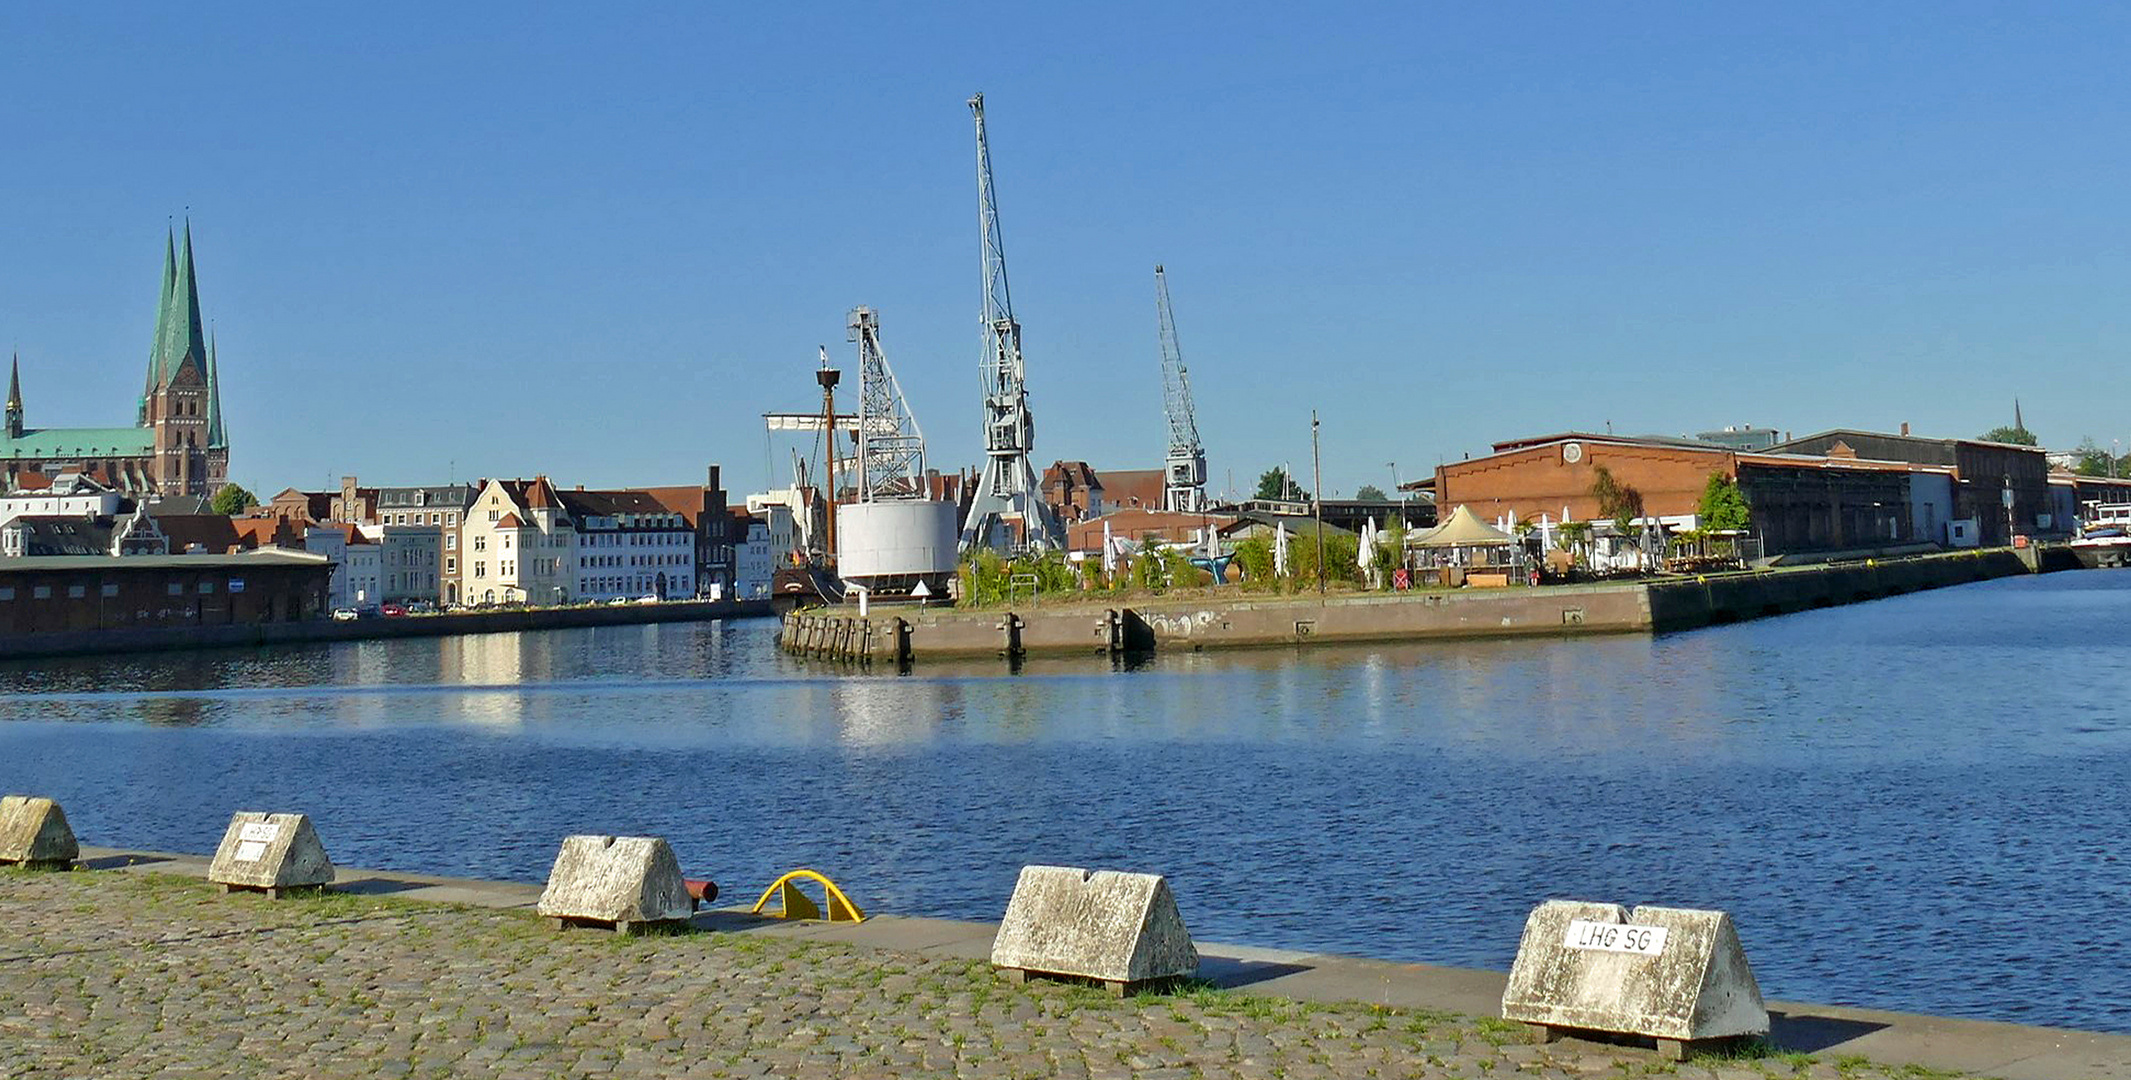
(1988, 1047)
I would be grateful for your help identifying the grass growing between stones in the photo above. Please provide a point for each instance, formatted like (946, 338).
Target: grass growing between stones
(133, 974)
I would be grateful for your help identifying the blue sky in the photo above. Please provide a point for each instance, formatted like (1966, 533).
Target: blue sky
(463, 240)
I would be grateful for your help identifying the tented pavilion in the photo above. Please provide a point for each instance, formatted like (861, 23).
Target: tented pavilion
(1465, 541)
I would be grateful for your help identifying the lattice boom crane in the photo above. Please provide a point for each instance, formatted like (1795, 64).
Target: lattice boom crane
(1184, 483)
(1007, 491)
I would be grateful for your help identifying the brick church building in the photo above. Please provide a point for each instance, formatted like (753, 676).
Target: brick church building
(177, 445)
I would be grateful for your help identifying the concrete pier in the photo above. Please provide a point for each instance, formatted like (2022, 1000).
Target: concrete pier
(1236, 619)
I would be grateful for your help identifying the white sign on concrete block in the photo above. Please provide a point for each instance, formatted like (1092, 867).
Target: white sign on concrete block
(1122, 929)
(622, 880)
(1673, 974)
(34, 832)
(271, 852)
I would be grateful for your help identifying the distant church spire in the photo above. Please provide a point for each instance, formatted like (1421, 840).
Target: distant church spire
(162, 319)
(216, 437)
(14, 398)
(2017, 425)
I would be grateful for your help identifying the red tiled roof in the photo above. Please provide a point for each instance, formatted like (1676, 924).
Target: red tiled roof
(1133, 487)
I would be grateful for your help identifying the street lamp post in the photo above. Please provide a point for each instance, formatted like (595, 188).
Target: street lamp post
(1317, 499)
(1400, 491)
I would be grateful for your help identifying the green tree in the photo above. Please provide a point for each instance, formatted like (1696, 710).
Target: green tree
(1275, 483)
(1723, 508)
(2018, 436)
(1339, 554)
(1255, 556)
(232, 500)
(1617, 501)
(1370, 492)
(2095, 461)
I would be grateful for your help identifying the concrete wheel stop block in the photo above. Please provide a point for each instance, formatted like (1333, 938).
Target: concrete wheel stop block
(1675, 975)
(1119, 929)
(623, 883)
(34, 833)
(277, 854)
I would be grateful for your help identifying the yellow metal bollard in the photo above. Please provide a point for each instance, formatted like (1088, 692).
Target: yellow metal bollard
(793, 904)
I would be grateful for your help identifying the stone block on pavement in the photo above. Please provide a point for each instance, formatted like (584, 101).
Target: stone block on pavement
(624, 881)
(1672, 974)
(271, 852)
(1122, 929)
(34, 832)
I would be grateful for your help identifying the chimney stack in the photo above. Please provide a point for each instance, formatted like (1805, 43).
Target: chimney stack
(1905, 427)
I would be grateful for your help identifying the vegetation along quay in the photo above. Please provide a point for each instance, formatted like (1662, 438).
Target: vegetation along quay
(1232, 618)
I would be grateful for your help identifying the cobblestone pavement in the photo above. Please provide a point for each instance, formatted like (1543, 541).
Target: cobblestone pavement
(106, 974)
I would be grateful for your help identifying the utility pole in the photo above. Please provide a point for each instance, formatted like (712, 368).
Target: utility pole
(1317, 499)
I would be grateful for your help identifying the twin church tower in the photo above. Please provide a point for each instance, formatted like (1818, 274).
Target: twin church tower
(177, 446)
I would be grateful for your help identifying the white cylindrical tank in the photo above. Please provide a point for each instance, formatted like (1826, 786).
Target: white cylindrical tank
(895, 539)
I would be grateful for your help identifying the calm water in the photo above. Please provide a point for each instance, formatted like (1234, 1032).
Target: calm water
(1919, 803)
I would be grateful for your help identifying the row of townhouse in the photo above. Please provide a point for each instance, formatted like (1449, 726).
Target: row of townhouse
(519, 541)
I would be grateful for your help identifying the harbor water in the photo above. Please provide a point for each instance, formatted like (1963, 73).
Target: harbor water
(1918, 803)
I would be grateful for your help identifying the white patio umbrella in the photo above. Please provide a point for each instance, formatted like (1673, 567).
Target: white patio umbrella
(1109, 551)
(1280, 551)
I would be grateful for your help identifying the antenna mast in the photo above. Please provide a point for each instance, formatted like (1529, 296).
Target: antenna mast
(1184, 486)
(891, 449)
(1007, 492)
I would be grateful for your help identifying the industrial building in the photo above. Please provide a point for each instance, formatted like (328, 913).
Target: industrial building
(1800, 502)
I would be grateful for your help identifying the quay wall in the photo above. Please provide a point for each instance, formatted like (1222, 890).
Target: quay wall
(161, 639)
(1243, 620)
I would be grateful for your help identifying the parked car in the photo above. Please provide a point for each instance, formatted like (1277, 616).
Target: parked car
(421, 607)
(648, 598)
(392, 611)
(346, 614)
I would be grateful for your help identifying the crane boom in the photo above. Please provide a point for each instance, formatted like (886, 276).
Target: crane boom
(1007, 493)
(1184, 481)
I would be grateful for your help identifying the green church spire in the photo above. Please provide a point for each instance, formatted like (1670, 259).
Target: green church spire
(181, 334)
(216, 438)
(162, 319)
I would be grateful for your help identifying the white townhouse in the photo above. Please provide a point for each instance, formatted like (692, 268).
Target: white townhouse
(516, 545)
(630, 545)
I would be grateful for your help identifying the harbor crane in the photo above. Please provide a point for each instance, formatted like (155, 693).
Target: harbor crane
(1184, 477)
(1007, 493)
(891, 448)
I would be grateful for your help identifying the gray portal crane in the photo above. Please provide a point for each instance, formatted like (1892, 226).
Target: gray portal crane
(1184, 480)
(1007, 492)
(891, 448)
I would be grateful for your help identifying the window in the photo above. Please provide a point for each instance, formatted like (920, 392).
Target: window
(7, 592)
(76, 592)
(110, 590)
(451, 564)
(206, 587)
(176, 589)
(451, 541)
(480, 543)
(495, 515)
(480, 568)
(44, 592)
